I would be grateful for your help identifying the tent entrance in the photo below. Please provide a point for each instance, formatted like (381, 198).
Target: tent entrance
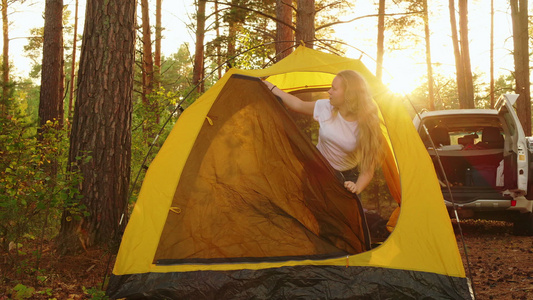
(255, 187)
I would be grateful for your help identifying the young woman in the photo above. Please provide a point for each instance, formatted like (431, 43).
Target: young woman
(350, 136)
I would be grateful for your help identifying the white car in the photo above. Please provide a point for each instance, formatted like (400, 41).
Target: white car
(483, 162)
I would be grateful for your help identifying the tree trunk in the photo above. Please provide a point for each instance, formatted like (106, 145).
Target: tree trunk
(198, 68)
(381, 39)
(431, 93)
(101, 127)
(232, 36)
(73, 67)
(519, 13)
(284, 34)
(158, 37)
(52, 74)
(305, 22)
(5, 60)
(148, 63)
(465, 54)
(218, 46)
(457, 54)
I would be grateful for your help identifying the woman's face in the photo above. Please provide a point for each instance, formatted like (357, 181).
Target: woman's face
(336, 92)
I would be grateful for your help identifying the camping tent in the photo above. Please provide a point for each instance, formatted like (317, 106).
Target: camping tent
(238, 203)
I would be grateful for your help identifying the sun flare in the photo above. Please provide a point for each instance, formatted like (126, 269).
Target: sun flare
(402, 84)
(401, 75)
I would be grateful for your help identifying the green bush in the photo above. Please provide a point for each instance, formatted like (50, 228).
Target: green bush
(150, 131)
(36, 186)
(21, 291)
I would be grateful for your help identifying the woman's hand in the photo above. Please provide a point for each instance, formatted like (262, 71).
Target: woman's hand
(362, 182)
(292, 102)
(352, 187)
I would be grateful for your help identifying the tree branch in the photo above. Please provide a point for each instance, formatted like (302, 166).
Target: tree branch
(326, 6)
(362, 17)
(257, 12)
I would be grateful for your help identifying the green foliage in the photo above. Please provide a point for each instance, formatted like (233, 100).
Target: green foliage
(176, 71)
(248, 28)
(21, 291)
(34, 48)
(36, 183)
(94, 293)
(5, 99)
(252, 57)
(406, 23)
(502, 85)
(46, 292)
(148, 120)
(150, 117)
(446, 96)
(26, 99)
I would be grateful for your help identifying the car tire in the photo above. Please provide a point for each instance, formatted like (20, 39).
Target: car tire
(523, 224)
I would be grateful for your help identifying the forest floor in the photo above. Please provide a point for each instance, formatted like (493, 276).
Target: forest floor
(501, 266)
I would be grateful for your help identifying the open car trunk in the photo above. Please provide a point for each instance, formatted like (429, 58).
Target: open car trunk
(483, 160)
(475, 174)
(474, 153)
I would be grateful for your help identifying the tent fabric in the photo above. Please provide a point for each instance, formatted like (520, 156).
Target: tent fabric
(241, 194)
(298, 282)
(237, 199)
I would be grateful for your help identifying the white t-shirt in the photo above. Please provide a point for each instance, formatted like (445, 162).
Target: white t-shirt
(337, 138)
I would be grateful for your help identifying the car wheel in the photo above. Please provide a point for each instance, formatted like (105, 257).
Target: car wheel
(523, 224)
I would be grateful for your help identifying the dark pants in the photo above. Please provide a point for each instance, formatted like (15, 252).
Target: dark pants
(350, 175)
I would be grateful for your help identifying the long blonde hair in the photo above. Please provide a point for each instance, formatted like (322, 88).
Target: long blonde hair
(358, 101)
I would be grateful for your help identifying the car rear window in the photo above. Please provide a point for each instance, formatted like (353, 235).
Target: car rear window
(465, 131)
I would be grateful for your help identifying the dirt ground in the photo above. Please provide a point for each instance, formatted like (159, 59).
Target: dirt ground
(501, 266)
(67, 277)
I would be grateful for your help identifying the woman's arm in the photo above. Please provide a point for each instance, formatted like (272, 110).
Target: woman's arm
(292, 102)
(362, 182)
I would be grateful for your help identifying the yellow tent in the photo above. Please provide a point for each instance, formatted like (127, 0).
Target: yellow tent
(238, 203)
